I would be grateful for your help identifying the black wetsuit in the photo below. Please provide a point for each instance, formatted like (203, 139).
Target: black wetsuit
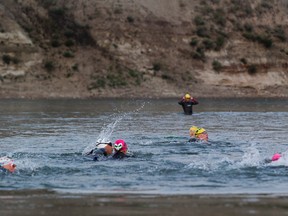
(119, 155)
(98, 152)
(187, 105)
(193, 139)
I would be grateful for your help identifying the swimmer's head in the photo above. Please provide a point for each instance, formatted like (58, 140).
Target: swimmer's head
(187, 96)
(276, 157)
(120, 145)
(200, 131)
(10, 167)
(193, 130)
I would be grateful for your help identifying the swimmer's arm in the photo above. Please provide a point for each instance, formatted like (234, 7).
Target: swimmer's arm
(267, 160)
(193, 139)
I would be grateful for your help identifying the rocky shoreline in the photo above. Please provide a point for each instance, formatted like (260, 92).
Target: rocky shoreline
(49, 91)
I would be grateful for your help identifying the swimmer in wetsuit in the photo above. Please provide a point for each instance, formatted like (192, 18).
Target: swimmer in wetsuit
(198, 134)
(275, 157)
(102, 149)
(7, 163)
(187, 102)
(120, 149)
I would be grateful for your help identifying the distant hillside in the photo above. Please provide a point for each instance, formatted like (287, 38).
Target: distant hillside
(143, 48)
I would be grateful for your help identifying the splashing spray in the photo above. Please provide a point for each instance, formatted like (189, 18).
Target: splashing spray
(107, 131)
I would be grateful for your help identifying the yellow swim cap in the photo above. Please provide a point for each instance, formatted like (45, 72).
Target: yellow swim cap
(187, 96)
(200, 131)
(194, 128)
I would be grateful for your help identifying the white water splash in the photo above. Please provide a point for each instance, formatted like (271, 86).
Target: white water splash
(106, 132)
(251, 157)
(27, 164)
(104, 135)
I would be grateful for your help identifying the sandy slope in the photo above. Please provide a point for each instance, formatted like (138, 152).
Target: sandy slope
(137, 48)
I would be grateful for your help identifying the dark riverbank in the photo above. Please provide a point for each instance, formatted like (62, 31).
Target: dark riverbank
(41, 202)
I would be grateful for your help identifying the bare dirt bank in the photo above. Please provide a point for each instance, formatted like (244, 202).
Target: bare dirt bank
(143, 48)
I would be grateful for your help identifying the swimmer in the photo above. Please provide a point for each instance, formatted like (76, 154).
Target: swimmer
(274, 158)
(120, 149)
(187, 102)
(198, 134)
(7, 163)
(102, 149)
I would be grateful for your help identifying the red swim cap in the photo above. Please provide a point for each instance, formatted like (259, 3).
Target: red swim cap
(276, 157)
(120, 145)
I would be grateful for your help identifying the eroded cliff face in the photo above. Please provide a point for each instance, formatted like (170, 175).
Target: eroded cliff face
(146, 48)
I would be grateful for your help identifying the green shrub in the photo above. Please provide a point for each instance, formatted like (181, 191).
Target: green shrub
(138, 76)
(248, 27)
(55, 43)
(47, 3)
(219, 17)
(280, 33)
(49, 66)
(202, 31)
(138, 81)
(265, 40)
(69, 33)
(75, 67)
(1, 29)
(69, 43)
(266, 5)
(250, 36)
(199, 21)
(99, 83)
(240, 6)
(15, 60)
(198, 54)
(130, 19)
(243, 60)
(217, 66)
(6, 59)
(116, 80)
(57, 12)
(252, 69)
(133, 73)
(248, 10)
(68, 54)
(157, 66)
(208, 44)
(193, 42)
(166, 77)
(220, 41)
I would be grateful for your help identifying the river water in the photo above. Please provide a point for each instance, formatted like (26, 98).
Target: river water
(46, 138)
